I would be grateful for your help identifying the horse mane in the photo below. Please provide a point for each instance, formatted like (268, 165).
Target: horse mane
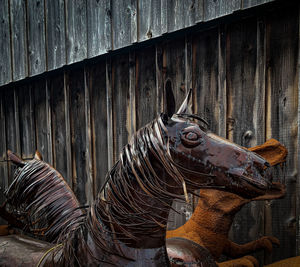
(41, 199)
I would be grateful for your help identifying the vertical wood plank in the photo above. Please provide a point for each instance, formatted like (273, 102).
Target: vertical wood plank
(246, 112)
(109, 103)
(149, 20)
(36, 37)
(5, 48)
(132, 93)
(282, 101)
(76, 30)
(164, 17)
(199, 11)
(159, 78)
(27, 121)
(298, 148)
(222, 84)
(43, 119)
(174, 58)
(216, 9)
(83, 187)
(188, 58)
(90, 185)
(181, 14)
(60, 126)
(99, 27)
(3, 147)
(19, 42)
(55, 32)
(12, 127)
(146, 86)
(3, 157)
(97, 87)
(252, 3)
(209, 100)
(3, 184)
(121, 102)
(124, 15)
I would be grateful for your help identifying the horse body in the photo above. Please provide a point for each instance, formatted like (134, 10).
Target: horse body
(126, 224)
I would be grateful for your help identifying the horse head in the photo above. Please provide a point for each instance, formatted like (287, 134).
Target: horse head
(203, 159)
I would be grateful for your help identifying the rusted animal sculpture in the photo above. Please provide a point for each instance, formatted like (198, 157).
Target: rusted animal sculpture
(126, 225)
(210, 223)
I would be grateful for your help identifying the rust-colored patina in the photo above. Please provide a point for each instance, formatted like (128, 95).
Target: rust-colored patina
(126, 225)
(210, 223)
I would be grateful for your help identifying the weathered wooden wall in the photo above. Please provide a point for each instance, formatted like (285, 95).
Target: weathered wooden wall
(244, 76)
(38, 36)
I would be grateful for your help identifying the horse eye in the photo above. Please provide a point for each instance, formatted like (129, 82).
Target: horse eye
(191, 136)
(190, 139)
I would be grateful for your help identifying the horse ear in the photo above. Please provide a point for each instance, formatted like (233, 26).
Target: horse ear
(38, 155)
(184, 108)
(170, 100)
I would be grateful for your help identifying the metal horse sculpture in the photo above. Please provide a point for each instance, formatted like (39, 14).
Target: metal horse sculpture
(126, 225)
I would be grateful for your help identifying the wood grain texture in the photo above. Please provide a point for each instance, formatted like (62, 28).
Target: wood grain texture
(3, 158)
(252, 3)
(13, 138)
(282, 106)
(216, 9)
(5, 47)
(109, 111)
(82, 185)
(99, 27)
(132, 93)
(121, 103)
(145, 86)
(174, 68)
(149, 20)
(18, 39)
(210, 103)
(90, 184)
(46, 35)
(246, 111)
(181, 14)
(36, 37)
(76, 30)
(60, 126)
(159, 78)
(55, 33)
(222, 83)
(298, 149)
(41, 92)
(27, 121)
(124, 17)
(97, 87)
(3, 184)
(3, 147)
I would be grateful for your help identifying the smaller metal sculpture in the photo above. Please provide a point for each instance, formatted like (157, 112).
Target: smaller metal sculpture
(211, 221)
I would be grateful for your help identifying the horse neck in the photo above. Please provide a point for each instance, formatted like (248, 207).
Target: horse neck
(137, 215)
(216, 210)
(125, 224)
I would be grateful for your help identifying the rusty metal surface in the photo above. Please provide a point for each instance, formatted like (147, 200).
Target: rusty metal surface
(16, 250)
